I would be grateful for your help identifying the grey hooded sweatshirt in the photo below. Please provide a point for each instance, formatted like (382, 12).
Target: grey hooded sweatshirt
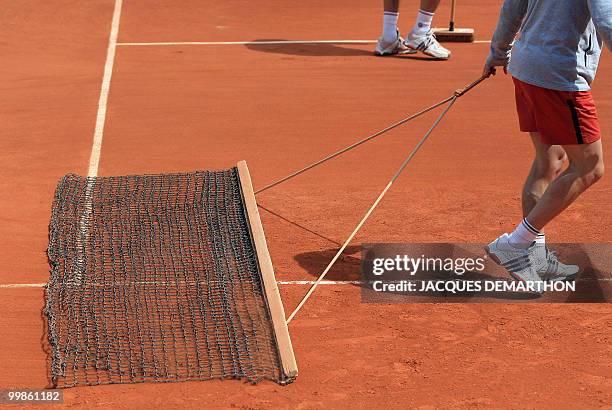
(559, 41)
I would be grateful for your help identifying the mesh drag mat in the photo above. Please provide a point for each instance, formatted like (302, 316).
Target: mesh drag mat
(155, 278)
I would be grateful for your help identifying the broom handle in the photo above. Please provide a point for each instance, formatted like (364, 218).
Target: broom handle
(451, 26)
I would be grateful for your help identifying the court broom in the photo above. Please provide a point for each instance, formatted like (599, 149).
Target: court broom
(453, 34)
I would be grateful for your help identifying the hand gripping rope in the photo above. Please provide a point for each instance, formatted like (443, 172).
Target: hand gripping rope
(449, 101)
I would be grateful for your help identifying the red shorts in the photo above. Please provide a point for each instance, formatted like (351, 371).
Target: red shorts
(561, 117)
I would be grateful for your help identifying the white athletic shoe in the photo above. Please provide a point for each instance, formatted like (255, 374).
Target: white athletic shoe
(395, 47)
(522, 264)
(428, 45)
(555, 271)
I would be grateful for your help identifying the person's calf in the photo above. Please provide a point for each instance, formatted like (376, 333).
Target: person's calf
(545, 168)
(586, 167)
(552, 166)
(592, 175)
(549, 160)
(586, 173)
(429, 5)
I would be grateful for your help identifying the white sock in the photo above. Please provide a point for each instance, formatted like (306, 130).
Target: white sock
(423, 23)
(390, 26)
(524, 235)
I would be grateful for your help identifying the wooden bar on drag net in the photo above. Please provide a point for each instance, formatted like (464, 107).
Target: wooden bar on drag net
(275, 304)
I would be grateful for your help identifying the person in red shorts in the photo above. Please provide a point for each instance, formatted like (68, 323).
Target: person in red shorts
(552, 62)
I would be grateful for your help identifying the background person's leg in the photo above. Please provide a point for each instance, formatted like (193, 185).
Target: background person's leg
(430, 5)
(392, 5)
(425, 17)
(421, 37)
(390, 42)
(390, 16)
(585, 168)
(547, 165)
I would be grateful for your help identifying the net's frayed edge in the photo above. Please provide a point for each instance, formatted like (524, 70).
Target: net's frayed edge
(50, 308)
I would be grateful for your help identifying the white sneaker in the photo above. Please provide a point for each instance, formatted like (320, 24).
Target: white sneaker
(522, 264)
(428, 45)
(395, 47)
(555, 271)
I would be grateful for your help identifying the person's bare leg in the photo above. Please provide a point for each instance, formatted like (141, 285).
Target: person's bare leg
(585, 168)
(543, 200)
(392, 5)
(425, 17)
(429, 5)
(390, 42)
(547, 165)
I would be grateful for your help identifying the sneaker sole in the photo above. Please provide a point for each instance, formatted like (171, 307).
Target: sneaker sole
(516, 277)
(436, 57)
(565, 278)
(414, 50)
(376, 53)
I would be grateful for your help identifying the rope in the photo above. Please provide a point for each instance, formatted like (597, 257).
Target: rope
(355, 145)
(458, 93)
(451, 101)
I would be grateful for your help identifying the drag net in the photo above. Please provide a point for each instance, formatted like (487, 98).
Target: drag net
(155, 278)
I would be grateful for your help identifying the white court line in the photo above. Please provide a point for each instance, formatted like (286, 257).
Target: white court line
(323, 282)
(280, 282)
(254, 43)
(363, 282)
(94, 159)
(242, 43)
(96, 148)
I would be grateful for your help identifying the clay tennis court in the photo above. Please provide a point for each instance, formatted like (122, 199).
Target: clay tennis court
(180, 106)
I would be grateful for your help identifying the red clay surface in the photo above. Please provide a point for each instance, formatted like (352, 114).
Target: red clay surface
(180, 108)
